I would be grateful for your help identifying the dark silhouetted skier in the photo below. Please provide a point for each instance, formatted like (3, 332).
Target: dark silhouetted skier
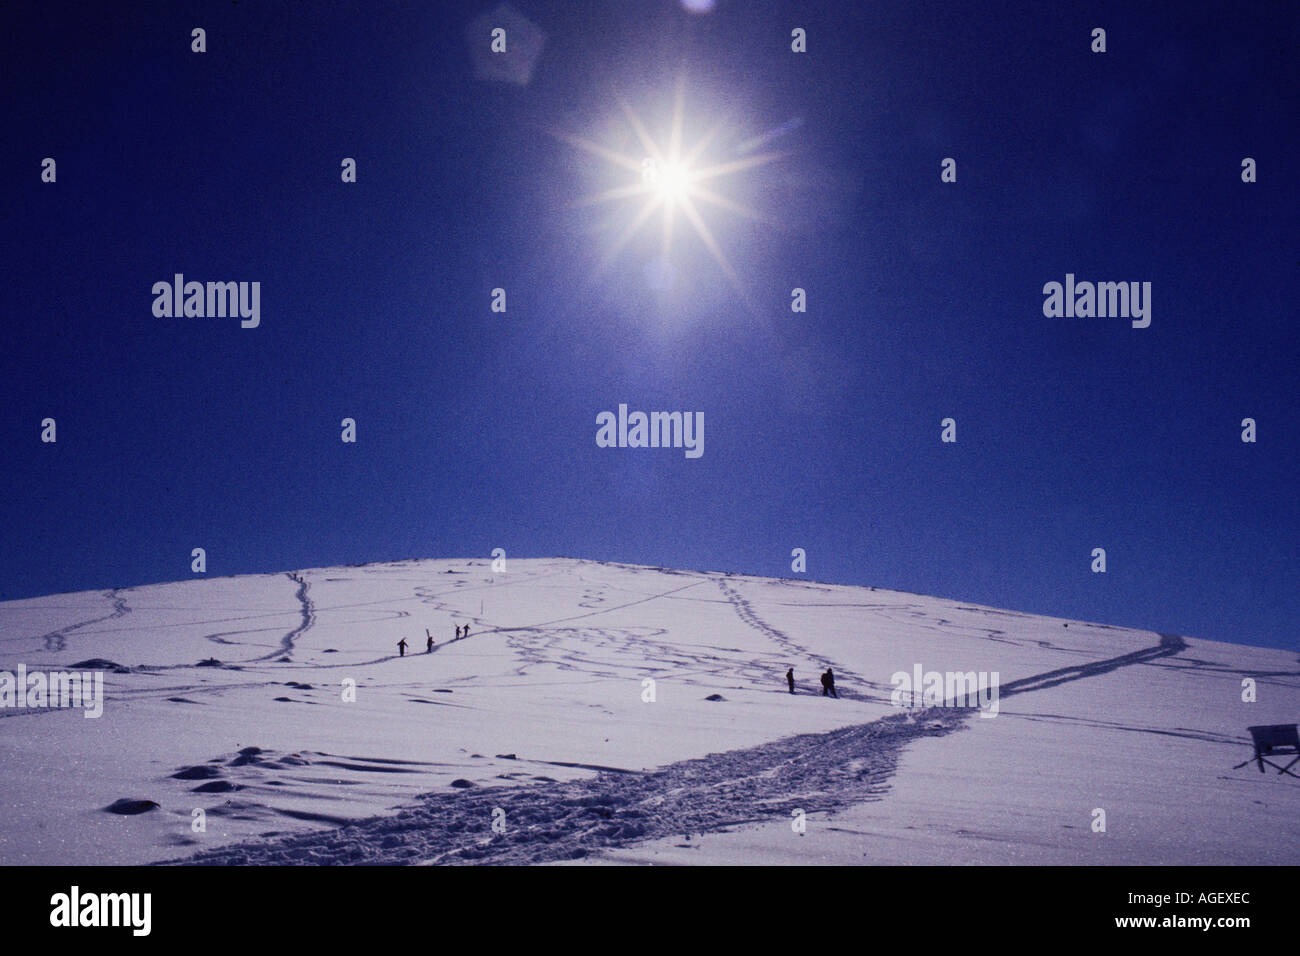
(789, 679)
(467, 630)
(828, 684)
(428, 645)
(401, 648)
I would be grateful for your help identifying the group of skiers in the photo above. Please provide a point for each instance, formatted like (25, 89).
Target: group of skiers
(828, 683)
(429, 641)
(828, 678)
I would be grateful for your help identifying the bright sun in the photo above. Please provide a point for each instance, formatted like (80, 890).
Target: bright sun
(671, 181)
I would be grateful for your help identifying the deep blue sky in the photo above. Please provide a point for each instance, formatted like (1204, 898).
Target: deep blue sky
(477, 430)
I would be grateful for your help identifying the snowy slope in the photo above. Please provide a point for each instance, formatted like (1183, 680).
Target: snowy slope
(537, 722)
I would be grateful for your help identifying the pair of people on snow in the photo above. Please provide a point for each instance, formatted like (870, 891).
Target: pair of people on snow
(828, 683)
(428, 643)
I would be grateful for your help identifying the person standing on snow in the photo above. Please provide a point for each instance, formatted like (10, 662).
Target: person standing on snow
(428, 644)
(401, 648)
(828, 684)
(789, 679)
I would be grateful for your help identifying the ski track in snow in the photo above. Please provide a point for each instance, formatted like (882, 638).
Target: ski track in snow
(745, 611)
(308, 619)
(57, 640)
(308, 614)
(550, 822)
(557, 821)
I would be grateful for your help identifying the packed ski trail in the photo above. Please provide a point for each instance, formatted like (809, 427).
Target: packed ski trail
(545, 823)
(554, 822)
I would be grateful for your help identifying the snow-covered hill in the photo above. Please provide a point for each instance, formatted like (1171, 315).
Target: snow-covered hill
(538, 739)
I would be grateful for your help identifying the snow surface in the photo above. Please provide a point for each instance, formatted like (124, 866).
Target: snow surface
(537, 721)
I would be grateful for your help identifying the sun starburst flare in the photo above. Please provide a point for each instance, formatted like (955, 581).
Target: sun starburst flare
(669, 180)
